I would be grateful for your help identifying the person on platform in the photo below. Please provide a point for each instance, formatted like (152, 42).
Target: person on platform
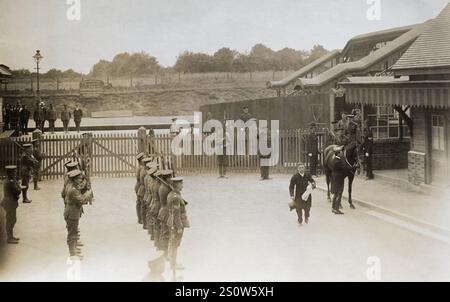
(264, 168)
(245, 116)
(10, 202)
(27, 163)
(141, 207)
(300, 183)
(340, 168)
(151, 179)
(164, 190)
(367, 149)
(140, 166)
(222, 159)
(177, 221)
(51, 118)
(312, 149)
(24, 119)
(74, 201)
(65, 118)
(39, 156)
(39, 116)
(14, 119)
(77, 117)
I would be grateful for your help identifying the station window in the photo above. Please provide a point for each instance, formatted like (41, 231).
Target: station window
(438, 135)
(385, 124)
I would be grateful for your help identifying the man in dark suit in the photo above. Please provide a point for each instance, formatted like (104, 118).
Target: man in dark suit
(312, 149)
(24, 118)
(367, 148)
(10, 202)
(77, 117)
(297, 188)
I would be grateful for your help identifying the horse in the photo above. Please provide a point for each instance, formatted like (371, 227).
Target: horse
(351, 161)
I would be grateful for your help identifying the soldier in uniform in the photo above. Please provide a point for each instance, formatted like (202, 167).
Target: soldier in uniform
(74, 201)
(141, 191)
(351, 131)
(140, 166)
(146, 199)
(298, 186)
(154, 209)
(367, 149)
(150, 179)
(10, 202)
(339, 168)
(312, 149)
(39, 156)
(177, 220)
(28, 163)
(222, 160)
(163, 191)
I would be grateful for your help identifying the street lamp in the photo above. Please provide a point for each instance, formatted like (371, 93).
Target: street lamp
(38, 58)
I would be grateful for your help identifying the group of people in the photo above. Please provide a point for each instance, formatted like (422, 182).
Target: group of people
(30, 164)
(160, 207)
(17, 117)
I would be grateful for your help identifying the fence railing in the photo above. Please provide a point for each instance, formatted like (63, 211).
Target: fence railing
(114, 155)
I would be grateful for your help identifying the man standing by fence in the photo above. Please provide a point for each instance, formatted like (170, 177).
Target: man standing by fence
(39, 156)
(65, 118)
(77, 117)
(312, 149)
(27, 163)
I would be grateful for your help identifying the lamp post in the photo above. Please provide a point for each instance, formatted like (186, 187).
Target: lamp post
(38, 58)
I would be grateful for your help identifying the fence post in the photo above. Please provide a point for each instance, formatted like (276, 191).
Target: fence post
(142, 139)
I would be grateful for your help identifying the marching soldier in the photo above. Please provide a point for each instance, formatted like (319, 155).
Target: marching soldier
(141, 191)
(28, 163)
(164, 190)
(297, 188)
(312, 149)
(10, 202)
(138, 184)
(74, 201)
(39, 156)
(146, 199)
(177, 220)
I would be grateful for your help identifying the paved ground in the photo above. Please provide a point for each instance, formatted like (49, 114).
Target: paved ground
(241, 231)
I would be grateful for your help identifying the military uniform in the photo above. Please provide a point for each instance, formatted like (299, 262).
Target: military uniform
(340, 168)
(264, 169)
(137, 186)
(10, 203)
(154, 210)
(37, 154)
(163, 213)
(150, 180)
(367, 149)
(27, 163)
(312, 151)
(74, 200)
(298, 186)
(177, 221)
(141, 207)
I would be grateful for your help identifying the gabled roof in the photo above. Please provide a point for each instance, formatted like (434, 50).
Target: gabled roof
(432, 49)
(365, 63)
(388, 34)
(5, 71)
(304, 70)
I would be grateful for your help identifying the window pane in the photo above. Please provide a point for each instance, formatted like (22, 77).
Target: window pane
(393, 132)
(383, 133)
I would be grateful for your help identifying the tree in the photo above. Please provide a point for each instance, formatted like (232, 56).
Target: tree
(223, 59)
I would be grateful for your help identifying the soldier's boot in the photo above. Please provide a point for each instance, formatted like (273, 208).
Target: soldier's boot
(25, 198)
(36, 187)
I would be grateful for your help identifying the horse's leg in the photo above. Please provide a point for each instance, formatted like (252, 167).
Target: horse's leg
(350, 185)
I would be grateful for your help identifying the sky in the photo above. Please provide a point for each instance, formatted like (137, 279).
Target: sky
(166, 28)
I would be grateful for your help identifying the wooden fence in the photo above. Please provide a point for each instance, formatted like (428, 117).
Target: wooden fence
(114, 155)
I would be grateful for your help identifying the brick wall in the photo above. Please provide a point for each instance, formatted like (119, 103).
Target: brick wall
(417, 167)
(390, 155)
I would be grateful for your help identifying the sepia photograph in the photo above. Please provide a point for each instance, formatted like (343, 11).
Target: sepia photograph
(191, 141)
